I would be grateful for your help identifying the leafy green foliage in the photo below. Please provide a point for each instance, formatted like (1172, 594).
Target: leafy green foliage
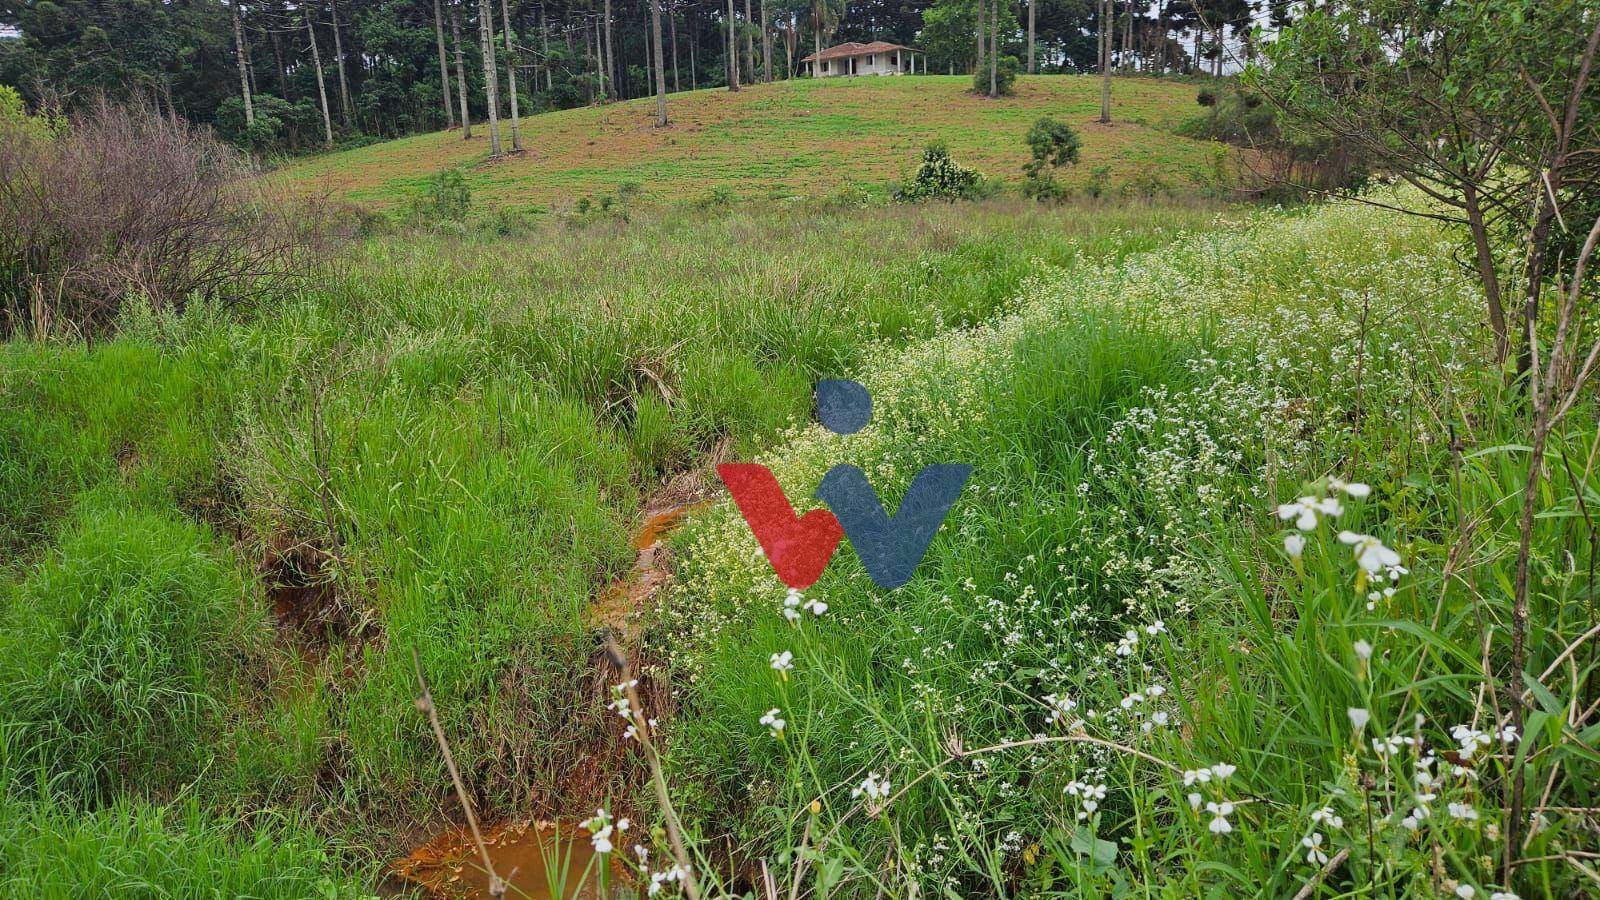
(1052, 145)
(1005, 77)
(444, 198)
(938, 177)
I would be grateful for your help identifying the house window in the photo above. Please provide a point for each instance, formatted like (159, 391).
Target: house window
(870, 58)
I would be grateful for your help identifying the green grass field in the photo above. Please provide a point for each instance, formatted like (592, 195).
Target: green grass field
(798, 138)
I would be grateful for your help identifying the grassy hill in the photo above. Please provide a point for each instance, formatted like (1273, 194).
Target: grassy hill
(792, 138)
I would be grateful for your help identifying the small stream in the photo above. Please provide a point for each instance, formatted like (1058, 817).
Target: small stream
(548, 860)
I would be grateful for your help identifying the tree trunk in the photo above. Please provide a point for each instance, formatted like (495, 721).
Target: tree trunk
(1127, 39)
(749, 47)
(982, 36)
(461, 72)
(1105, 62)
(1161, 36)
(511, 75)
(791, 47)
(338, 61)
(609, 54)
(600, 62)
(661, 69)
(816, 31)
(733, 51)
(244, 63)
(672, 22)
(1486, 270)
(694, 63)
(322, 89)
(766, 44)
(544, 39)
(283, 71)
(1032, 67)
(491, 74)
(994, 48)
(444, 70)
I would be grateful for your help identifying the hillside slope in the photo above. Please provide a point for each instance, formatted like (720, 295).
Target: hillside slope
(792, 138)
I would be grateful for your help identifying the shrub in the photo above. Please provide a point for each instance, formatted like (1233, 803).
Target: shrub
(1288, 162)
(115, 653)
(1005, 77)
(1052, 144)
(1099, 181)
(445, 197)
(125, 200)
(939, 177)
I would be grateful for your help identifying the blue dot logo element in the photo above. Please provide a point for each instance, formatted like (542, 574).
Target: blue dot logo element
(844, 407)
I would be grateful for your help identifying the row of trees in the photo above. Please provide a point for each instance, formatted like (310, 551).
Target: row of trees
(300, 74)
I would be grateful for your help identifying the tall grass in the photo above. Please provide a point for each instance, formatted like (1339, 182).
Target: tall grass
(118, 656)
(438, 445)
(131, 849)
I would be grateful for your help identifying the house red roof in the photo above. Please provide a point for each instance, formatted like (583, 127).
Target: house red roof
(853, 48)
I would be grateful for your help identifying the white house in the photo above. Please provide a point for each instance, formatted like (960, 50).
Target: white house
(876, 58)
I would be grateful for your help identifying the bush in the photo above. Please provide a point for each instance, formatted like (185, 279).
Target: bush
(1005, 77)
(1289, 164)
(1052, 144)
(1099, 181)
(127, 201)
(445, 197)
(940, 178)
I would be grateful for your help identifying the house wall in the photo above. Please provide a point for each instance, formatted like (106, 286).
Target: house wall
(866, 64)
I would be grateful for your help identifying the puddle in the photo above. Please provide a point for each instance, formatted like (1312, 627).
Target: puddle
(526, 854)
(621, 603)
(537, 860)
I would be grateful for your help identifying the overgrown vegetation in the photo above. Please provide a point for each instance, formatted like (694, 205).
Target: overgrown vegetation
(439, 447)
(1165, 642)
(122, 201)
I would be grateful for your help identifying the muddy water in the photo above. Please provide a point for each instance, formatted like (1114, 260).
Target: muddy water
(525, 854)
(623, 603)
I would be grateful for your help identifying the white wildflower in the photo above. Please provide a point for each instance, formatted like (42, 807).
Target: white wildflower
(1371, 555)
(1358, 717)
(1294, 545)
(775, 724)
(782, 662)
(872, 787)
(1220, 813)
(1306, 511)
(1314, 853)
(1354, 489)
(1128, 642)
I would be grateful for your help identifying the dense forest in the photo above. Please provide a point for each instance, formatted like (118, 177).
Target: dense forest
(282, 76)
